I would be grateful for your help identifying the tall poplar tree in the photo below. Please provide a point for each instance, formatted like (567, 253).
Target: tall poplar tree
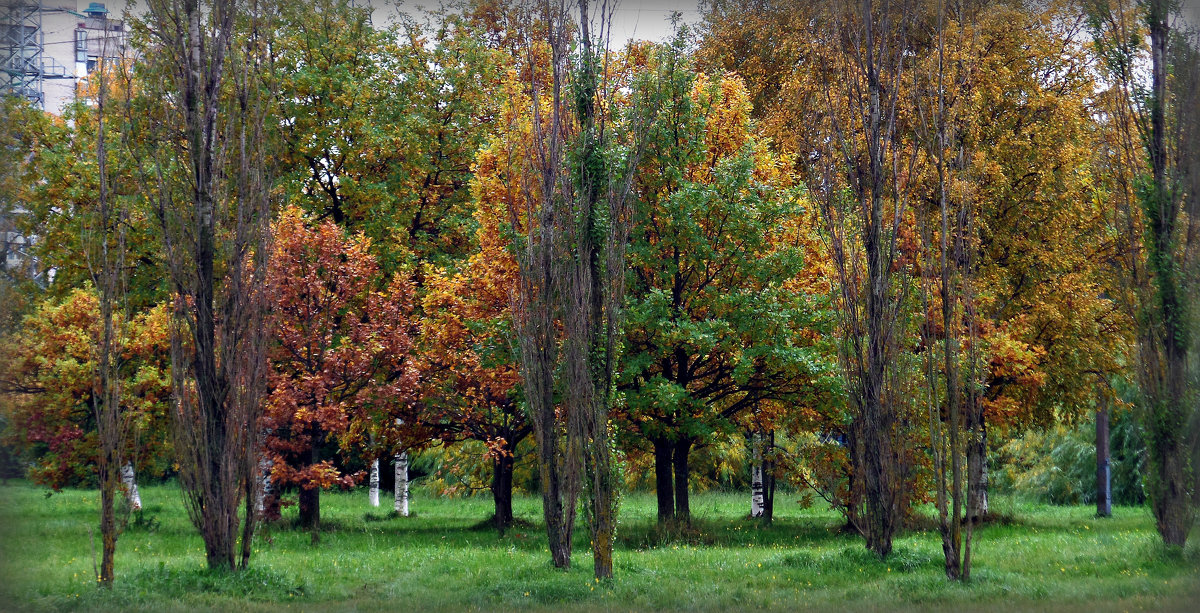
(206, 107)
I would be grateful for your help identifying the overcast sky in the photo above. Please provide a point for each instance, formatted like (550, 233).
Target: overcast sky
(640, 19)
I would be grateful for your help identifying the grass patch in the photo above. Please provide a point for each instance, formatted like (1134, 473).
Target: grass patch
(448, 558)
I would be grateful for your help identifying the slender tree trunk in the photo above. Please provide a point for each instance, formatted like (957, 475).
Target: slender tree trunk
(768, 471)
(106, 391)
(129, 479)
(664, 486)
(977, 465)
(756, 476)
(373, 487)
(108, 536)
(683, 511)
(1103, 477)
(502, 488)
(401, 503)
(265, 491)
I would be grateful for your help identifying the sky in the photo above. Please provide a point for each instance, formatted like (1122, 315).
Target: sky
(632, 19)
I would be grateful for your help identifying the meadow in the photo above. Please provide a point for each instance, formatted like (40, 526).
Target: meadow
(445, 557)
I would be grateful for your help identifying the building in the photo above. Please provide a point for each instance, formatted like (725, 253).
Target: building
(47, 47)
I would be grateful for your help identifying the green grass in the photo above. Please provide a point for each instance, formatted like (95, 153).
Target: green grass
(1059, 558)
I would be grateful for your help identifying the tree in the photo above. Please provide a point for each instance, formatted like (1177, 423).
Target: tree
(341, 360)
(720, 316)
(948, 222)
(1042, 294)
(1158, 200)
(857, 182)
(206, 109)
(469, 372)
(571, 264)
(382, 127)
(79, 194)
(47, 386)
(106, 264)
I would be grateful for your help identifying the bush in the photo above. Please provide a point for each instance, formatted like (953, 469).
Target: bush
(1057, 465)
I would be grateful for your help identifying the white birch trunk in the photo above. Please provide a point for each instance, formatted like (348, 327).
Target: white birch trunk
(402, 484)
(401, 479)
(131, 489)
(373, 492)
(756, 492)
(264, 469)
(756, 479)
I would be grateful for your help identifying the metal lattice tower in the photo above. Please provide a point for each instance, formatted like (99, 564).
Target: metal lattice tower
(23, 64)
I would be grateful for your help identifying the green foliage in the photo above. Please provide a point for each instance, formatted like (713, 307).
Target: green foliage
(383, 125)
(717, 320)
(1057, 465)
(60, 195)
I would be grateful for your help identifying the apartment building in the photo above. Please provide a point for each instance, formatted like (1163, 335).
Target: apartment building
(47, 47)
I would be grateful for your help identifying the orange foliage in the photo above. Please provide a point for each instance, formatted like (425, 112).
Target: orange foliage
(341, 358)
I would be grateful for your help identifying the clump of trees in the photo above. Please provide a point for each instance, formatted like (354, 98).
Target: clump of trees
(870, 240)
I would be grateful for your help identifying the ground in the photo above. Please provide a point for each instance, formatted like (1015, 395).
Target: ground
(1042, 557)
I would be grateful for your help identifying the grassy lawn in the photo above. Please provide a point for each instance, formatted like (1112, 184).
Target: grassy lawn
(1059, 558)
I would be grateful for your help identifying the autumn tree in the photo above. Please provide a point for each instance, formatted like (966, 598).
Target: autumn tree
(47, 386)
(58, 180)
(382, 126)
(342, 353)
(469, 373)
(571, 262)
(79, 194)
(947, 215)
(856, 182)
(1043, 303)
(105, 255)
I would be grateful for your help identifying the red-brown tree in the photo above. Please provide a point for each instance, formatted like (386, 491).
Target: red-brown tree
(341, 357)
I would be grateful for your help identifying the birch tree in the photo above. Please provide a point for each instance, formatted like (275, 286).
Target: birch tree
(401, 498)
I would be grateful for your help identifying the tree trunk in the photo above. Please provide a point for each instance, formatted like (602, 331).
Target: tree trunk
(683, 512)
(129, 479)
(1103, 477)
(310, 501)
(310, 508)
(108, 525)
(768, 514)
(756, 477)
(604, 502)
(502, 486)
(1165, 345)
(267, 504)
(977, 468)
(373, 488)
(664, 487)
(402, 484)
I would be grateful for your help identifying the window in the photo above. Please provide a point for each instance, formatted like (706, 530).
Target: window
(81, 46)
